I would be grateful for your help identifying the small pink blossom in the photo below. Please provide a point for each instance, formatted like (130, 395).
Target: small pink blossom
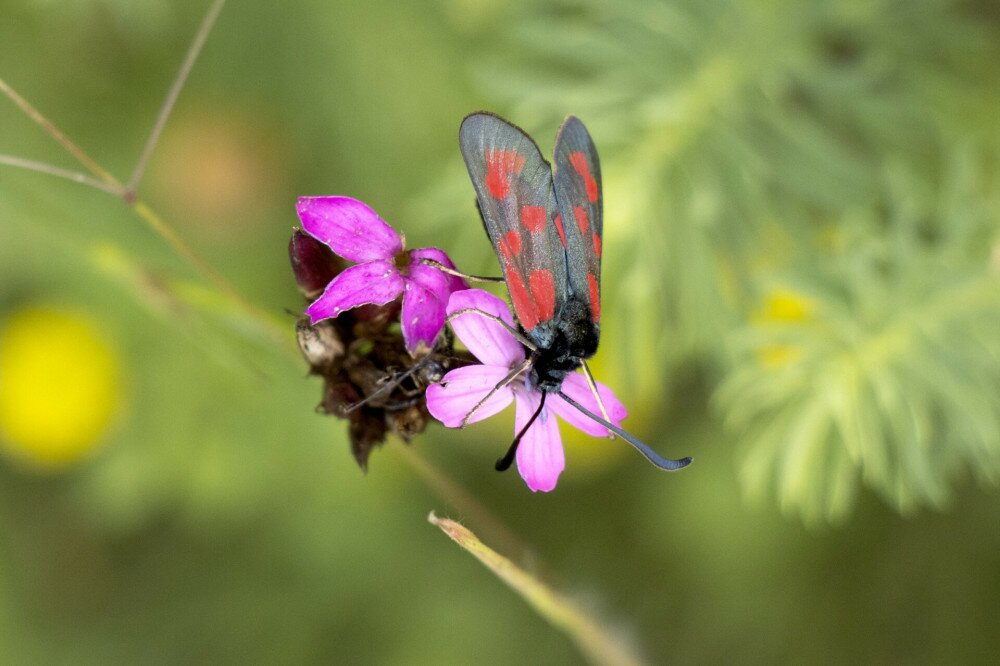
(540, 458)
(383, 270)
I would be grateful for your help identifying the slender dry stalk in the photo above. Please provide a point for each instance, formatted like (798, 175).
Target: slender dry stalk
(207, 24)
(592, 637)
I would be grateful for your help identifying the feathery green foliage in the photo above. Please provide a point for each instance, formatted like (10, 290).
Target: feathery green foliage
(749, 147)
(887, 370)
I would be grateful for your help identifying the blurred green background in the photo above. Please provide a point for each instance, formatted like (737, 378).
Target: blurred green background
(801, 290)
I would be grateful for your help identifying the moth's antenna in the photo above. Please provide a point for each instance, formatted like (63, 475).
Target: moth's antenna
(503, 464)
(652, 456)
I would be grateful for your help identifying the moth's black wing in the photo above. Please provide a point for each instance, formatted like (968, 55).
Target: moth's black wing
(518, 204)
(580, 202)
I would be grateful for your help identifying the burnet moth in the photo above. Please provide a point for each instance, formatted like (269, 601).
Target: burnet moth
(546, 228)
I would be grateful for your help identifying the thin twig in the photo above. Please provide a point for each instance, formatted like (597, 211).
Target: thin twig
(598, 643)
(75, 176)
(175, 90)
(63, 140)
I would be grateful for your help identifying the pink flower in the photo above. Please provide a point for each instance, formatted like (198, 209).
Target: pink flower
(540, 458)
(383, 269)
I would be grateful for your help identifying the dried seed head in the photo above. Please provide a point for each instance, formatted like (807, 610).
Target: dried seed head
(369, 377)
(320, 344)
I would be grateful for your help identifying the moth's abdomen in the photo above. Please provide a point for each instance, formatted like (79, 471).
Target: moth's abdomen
(575, 340)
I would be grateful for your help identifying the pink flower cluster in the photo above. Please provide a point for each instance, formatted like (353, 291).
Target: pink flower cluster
(384, 271)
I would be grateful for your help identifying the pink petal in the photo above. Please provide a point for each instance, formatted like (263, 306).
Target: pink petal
(575, 386)
(540, 458)
(375, 282)
(422, 317)
(427, 292)
(488, 341)
(462, 389)
(351, 229)
(429, 278)
(455, 283)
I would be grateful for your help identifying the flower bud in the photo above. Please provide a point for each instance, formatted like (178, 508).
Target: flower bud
(313, 263)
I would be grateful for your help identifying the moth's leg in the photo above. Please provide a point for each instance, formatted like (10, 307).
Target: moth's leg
(451, 271)
(593, 389)
(385, 389)
(392, 382)
(492, 317)
(511, 376)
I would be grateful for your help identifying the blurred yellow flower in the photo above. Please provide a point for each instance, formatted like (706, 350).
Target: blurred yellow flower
(782, 306)
(785, 306)
(60, 386)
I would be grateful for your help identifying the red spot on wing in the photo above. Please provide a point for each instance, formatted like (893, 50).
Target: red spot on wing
(595, 297)
(500, 166)
(581, 219)
(597, 244)
(543, 289)
(513, 240)
(519, 296)
(505, 250)
(559, 228)
(533, 218)
(579, 162)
